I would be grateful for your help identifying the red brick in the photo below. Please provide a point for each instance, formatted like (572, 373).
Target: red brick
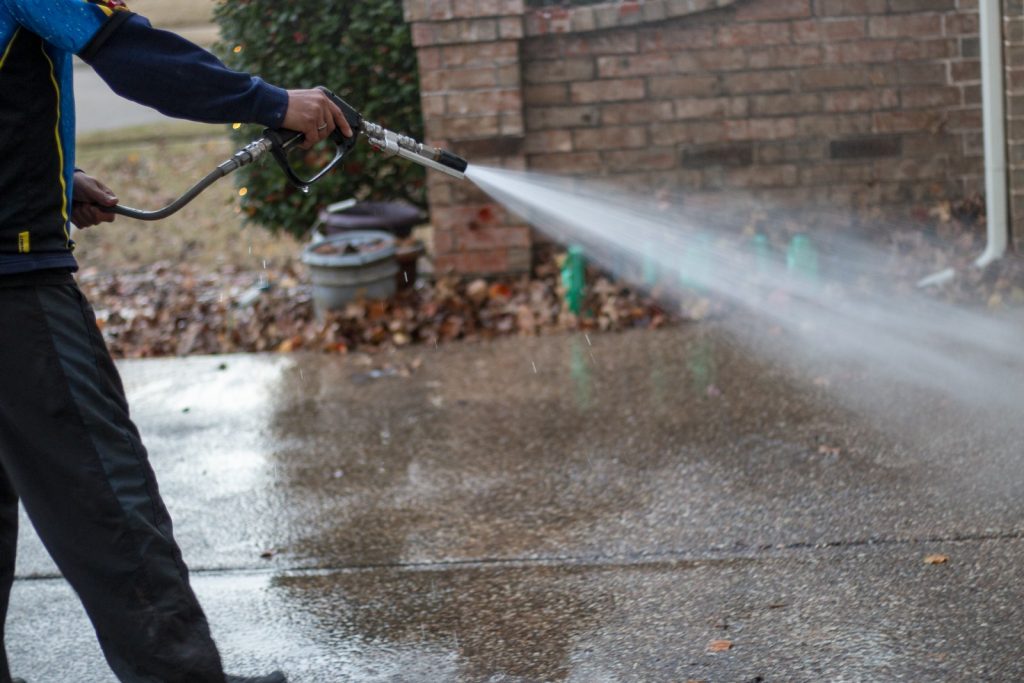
(775, 105)
(511, 123)
(559, 71)
(687, 133)
(645, 112)
(905, 26)
(549, 141)
(785, 55)
(486, 8)
(433, 105)
(607, 91)
(923, 73)
(829, 30)
(745, 35)
(619, 137)
(463, 127)
(648, 158)
(899, 6)
(444, 239)
(679, 86)
(674, 38)
(484, 102)
(547, 93)
(763, 176)
(453, 217)
(862, 100)
(429, 58)
(491, 262)
(963, 119)
(459, 79)
(718, 107)
(838, 8)
(831, 125)
(481, 54)
(832, 77)
(961, 24)
(572, 162)
(925, 97)
(636, 65)
(757, 82)
(491, 237)
(861, 51)
(424, 34)
(603, 43)
(759, 10)
(965, 72)
(539, 118)
(723, 59)
(971, 94)
(907, 121)
(760, 129)
(428, 10)
(510, 28)
(941, 48)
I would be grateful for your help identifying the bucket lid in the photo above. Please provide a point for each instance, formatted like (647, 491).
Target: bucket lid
(392, 216)
(350, 249)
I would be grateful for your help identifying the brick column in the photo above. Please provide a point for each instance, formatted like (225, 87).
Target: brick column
(471, 85)
(1013, 34)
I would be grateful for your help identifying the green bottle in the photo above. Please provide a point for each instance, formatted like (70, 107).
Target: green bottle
(802, 258)
(573, 278)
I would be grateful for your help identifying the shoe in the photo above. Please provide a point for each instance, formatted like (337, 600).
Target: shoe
(276, 677)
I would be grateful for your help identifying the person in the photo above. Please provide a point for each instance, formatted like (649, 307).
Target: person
(68, 447)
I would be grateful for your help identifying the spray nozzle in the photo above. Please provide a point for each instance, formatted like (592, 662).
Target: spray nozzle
(396, 144)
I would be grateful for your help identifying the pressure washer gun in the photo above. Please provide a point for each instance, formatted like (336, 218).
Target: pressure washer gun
(280, 142)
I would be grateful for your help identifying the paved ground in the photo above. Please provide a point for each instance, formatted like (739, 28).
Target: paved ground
(551, 510)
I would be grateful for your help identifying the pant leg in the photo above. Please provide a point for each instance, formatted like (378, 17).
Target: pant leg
(8, 548)
(76, 460)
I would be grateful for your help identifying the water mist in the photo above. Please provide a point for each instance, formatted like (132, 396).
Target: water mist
(844, 315)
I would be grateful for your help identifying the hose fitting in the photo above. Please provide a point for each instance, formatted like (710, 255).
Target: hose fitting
(391, 143)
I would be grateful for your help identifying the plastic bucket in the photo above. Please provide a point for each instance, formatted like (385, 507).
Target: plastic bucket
(350, 266)
(393, 217)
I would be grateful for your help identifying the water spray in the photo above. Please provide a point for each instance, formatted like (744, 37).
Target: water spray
(280, 142)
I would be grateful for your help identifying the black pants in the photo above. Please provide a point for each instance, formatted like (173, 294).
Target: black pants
(70, 451)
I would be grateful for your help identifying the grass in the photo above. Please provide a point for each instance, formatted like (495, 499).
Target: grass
(147, 168)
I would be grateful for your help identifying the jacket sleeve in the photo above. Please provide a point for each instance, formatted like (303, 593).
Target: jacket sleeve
(66, 24)
(162, 70)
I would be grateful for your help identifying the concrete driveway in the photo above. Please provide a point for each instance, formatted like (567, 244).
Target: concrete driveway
(650, 506)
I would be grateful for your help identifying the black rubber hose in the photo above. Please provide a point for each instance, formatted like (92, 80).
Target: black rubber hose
(178, 203)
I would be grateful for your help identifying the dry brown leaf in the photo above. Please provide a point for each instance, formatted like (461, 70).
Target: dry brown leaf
(936, 559)
(719, 645)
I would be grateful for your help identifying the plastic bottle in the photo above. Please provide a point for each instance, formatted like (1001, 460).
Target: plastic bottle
(573, 278)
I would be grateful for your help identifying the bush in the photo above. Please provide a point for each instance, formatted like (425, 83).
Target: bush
(362, 51)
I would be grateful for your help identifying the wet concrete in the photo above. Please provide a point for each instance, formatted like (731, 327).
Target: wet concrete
(569, 509)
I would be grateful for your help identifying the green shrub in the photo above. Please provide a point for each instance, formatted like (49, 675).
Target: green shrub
(363, 52)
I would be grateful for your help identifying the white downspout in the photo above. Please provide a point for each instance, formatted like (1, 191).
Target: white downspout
(994, 120)
(993, 117)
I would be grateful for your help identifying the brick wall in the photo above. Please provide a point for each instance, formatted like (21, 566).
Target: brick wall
(1013, 32)
(836, 102)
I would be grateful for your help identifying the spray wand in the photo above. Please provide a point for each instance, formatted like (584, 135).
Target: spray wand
(280, 142)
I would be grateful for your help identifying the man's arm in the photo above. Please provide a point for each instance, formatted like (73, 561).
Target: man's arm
(164, 71)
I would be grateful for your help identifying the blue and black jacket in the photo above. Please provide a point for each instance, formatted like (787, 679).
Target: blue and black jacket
(37, 110)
